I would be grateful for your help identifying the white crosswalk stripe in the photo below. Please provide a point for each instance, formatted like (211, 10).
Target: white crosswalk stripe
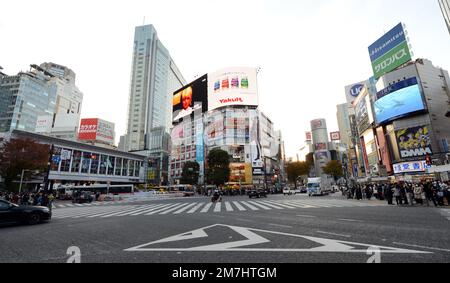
(240, 207)
(195, 208)
(228, 206)
(177, 208)
(162, 209)
(185, 208)
(149, 210)
(218, 207)
(260, 205)
(173, 209)
(249, 205)
(206, 208)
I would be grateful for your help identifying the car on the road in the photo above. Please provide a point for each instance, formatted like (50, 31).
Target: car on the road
(82, 197)
(288, 191)
(257, 194)
(13, 213)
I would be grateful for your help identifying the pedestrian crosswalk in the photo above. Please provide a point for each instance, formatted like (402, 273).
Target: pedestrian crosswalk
(200, 207)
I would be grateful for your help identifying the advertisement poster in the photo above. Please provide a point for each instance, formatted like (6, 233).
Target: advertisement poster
(232, 86)
(308, 136)
(88, 130)
(390, 51)
(105, 131)
(320, 146)
(191, 98)
(335, 136)
(414, 142)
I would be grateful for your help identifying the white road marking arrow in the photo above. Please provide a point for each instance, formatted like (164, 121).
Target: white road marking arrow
(327, 245)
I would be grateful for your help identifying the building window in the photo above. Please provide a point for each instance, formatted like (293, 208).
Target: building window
(103, 160)
(76, 160)
(94, 163)
(131, 168)
(111, 164)
(65, 165)
(118, 170)
(85, 162)
(56, 159)
(125, 167)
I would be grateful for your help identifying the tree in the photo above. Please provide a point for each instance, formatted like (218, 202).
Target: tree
(191, 171)
(297, 169)
(218, 171)
(334, 168)
(22, 154)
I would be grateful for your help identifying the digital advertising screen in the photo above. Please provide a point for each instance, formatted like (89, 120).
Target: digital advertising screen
(399, 104)
(191, 98)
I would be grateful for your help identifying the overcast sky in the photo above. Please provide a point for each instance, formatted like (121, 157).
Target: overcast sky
(308, 50)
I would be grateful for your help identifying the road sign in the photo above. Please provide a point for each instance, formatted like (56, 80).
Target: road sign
(254, 237)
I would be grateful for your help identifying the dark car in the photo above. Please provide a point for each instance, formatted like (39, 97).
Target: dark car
(13, 213)
(257, 194)
(82, 197)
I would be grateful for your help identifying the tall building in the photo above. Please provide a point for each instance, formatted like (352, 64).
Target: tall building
(65, 120)
(445, 7)
(343, 119)
(24, 97)
(320, 145)
(154, 78)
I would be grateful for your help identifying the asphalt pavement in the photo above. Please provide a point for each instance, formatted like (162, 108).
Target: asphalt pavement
(279, 229)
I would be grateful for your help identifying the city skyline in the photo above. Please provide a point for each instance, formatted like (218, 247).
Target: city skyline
(98, 49)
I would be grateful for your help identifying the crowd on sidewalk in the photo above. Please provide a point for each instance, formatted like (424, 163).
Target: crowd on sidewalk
(404, 193)
(27, 198)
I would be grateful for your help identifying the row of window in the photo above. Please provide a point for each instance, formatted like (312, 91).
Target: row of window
(74, 161)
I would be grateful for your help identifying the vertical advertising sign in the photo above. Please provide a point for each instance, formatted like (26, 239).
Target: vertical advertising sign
(335, 136)
(105, 131)
(308, 136)
(199, 142)
(384, 150)
(365, 157)
(390, 51)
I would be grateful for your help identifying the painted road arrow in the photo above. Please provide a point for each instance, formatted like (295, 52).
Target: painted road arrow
(253, 238)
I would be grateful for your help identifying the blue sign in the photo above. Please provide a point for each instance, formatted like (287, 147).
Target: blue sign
(56, 159)
(387, 42)
(398, 104)
(355, 170)
(356, 90)
(200, 154)
(397, 86)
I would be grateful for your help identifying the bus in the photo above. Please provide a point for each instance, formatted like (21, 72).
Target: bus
(67, 191)
(186, 190)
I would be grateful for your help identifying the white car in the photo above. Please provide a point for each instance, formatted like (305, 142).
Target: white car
(288, 191)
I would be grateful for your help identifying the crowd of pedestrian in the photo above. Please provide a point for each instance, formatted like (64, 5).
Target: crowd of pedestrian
(404, 193)
(27, 198)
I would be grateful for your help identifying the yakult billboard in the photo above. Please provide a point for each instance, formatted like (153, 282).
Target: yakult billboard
(232, 86)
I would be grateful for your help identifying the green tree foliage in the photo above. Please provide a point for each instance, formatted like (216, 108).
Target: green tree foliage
(19, 154)
(218, 170)
(334, 168)
(297, 169)
(191, 171)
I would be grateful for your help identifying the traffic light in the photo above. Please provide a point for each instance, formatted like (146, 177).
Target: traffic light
(428, 160)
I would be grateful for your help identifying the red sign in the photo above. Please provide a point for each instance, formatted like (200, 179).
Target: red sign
(88, 130)
(335, 136)
(308, 136)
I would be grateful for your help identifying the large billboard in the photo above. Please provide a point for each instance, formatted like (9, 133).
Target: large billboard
(414, 143)
(232, 86)
(410, 167)
(95, 129)
(191, 98)
(88, 129)
(390, 51)
(398, 100)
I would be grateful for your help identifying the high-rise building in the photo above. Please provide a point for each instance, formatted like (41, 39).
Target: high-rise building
(343, 119)
(154, 78)
(24, 97)
(320, 145)
(445, 7)
(66, 119)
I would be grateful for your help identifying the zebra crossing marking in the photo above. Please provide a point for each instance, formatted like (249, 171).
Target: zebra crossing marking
(195, 208)
(199, 207)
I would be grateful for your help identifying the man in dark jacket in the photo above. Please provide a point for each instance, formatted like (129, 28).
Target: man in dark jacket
(429, 194)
